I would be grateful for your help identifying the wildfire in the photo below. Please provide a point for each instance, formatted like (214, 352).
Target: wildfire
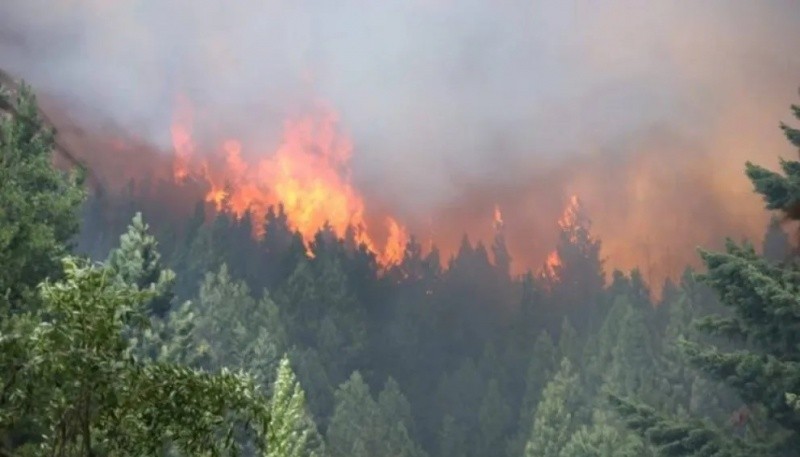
(551, 265)
(571, 215)
(570, 218)
(498, 218)
(307, 173)
(182, 140)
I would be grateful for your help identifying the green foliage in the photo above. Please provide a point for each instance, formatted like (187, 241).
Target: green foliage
(494, 419)
(541, 369)
(76, 379)
(137, 261)
(554, 421)
(633, 370)
(354, 418)
(38, 204)
(763, 299)
(361, 426)
(291, 430)
(603, 439)
(677, 437)
(226, 326)
(452, 440)
(569, 344)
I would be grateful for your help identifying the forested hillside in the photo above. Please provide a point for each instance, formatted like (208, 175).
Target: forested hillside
(127, 330)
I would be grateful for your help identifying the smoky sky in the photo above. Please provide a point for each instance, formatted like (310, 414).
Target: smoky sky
(643, 107)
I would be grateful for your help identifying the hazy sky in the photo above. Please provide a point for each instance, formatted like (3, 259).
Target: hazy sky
(648, 109)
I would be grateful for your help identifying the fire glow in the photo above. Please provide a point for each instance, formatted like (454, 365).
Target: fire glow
(307, 173)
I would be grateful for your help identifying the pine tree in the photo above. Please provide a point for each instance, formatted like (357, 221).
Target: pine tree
(227, 327)
(452, 440)
(355, 420)
(541, 368)
(494, 417)
(291, 429)
(38, 204)
(633, 370)
(502, 258)
(603, 439)
(576, 282)
(137, 261)
(569, 344)
(394, 405)
(763, 298)
(459, 394)
(554, 421)
(315, 380)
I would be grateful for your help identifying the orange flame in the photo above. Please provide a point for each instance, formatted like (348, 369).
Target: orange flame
(307, 173)
(552, 264)
(182, 140)
(568, 220)
(498, 218)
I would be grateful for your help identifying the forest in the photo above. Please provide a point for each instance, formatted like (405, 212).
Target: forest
(192, 337)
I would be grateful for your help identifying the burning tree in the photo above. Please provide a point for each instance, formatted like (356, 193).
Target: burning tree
(573, 272)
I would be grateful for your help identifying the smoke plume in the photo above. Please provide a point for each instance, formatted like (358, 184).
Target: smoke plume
(646, 110)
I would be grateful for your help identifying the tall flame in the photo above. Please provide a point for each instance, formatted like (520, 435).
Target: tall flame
(569, 219)
(307, 173)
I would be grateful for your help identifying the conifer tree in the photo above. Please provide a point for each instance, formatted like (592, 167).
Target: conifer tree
(494, 418)
(554, 421)
(452, 440)
(576, 282)
(394, 405)
(138, 262)
(38, 204)
(460, 394)
(354, 418)
(569, 344)
(291, 429)
(633, 370)
(603, 439)
(541, 368)
(763, 298)
(226, 327)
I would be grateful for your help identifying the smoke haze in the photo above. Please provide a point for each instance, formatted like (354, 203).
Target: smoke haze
(646, 110)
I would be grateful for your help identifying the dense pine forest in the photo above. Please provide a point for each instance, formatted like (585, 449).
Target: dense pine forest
(128, 331)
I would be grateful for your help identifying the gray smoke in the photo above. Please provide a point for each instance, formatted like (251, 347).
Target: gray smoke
(445, 100)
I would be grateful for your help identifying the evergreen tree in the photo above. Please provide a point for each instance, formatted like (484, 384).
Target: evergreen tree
(291, 429)
(634, 370)
(229, 328)
(38, 204)
(554, 421)
(502, 258)
(763, 298)
(540, 371)
(394, 405)
(312, 375)
(452, 440)
(569, 344)
(494, 417)
(459, 394)
(603, 439)
(137, 261)
(355, 420)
